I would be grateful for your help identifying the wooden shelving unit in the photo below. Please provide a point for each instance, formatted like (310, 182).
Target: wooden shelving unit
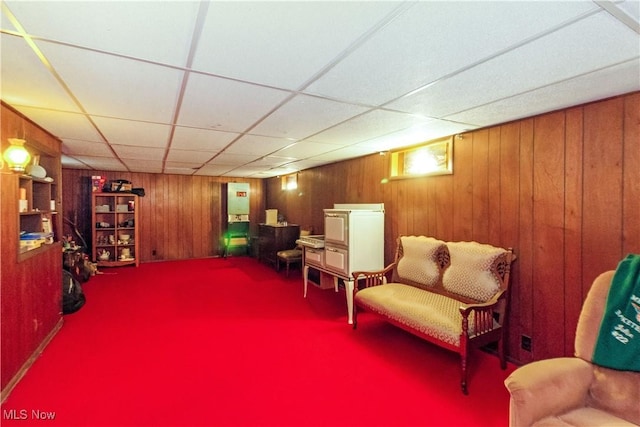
(113, 216)
(39, 202)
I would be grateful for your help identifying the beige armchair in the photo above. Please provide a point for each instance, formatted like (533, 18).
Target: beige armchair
(572, 391)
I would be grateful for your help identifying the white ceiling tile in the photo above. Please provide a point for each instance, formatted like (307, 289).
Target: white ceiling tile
(226, 105)
(433, 39)
(305, 115)
(140, 165)
(86, 148)
(305, 164)
(235, 159)
(272, 161)
(251, 171)
(367, 126)
(627, 12)
(201, 139)
(281, 44)
(343, 153)
(258, 145)
(145, 169)
(182, 165)
(153, 30)
(129, 152)
(127, 132)
(630, 7)
(277, 171)
(5, 22)
(592, 43)
(179, 170)
(612, 81)
(102, 163)
(263, 175)
(244, 171)
(24, 80)
(72, 163)
(433, 129)
(63, 125)
(112, 86)
(305, 149)
(214, 170)
(186, 156)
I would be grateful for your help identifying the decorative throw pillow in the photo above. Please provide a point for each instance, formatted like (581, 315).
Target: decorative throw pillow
(418, 263)
(470, 272)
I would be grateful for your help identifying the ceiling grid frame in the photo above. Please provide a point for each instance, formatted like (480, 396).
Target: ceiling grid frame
(250, 107)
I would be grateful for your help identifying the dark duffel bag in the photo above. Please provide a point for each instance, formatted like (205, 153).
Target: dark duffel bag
(72, 296)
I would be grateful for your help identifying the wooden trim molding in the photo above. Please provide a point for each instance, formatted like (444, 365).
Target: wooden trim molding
(29, 362)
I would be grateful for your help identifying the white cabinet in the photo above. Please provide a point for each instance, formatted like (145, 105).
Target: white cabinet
(353, 241)
(354, 238)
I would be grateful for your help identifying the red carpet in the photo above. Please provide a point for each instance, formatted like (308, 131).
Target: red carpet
(231, 342)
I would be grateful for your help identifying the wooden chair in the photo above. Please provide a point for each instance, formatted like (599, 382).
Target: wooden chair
(291, 256)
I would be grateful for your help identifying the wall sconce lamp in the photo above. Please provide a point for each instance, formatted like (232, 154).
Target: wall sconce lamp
(16, 155)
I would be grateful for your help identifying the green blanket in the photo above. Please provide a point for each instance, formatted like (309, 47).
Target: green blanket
(618, 344)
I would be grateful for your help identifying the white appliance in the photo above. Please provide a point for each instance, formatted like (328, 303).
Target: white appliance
(313, 250)
(238, 202)
(354, 238)
(236, 231)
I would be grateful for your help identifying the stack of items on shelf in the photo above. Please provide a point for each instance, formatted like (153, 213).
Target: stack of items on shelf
(97, 182)
(29, 241)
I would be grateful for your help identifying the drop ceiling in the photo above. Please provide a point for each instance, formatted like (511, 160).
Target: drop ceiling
(259, 89)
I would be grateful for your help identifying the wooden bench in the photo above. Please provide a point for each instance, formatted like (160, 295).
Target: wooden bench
(452, 294)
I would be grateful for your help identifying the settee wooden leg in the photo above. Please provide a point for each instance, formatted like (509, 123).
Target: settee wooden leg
(501, 354)
(463, 380)
(463, 364)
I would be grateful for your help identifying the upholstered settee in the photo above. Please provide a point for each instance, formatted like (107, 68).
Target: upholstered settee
(573, 391)
(453, 294)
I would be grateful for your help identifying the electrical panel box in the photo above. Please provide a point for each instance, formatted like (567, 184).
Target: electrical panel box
(238, 198)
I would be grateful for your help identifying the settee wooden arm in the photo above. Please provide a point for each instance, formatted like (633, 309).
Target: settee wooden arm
(465, 310)
(484, 316)
(366, 279)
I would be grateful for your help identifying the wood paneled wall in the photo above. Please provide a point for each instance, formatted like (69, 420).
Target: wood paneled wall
(180, 216)
(562, 189)
(30, 286)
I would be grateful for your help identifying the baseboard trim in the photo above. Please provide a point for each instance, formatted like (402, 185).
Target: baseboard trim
(30, 361)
